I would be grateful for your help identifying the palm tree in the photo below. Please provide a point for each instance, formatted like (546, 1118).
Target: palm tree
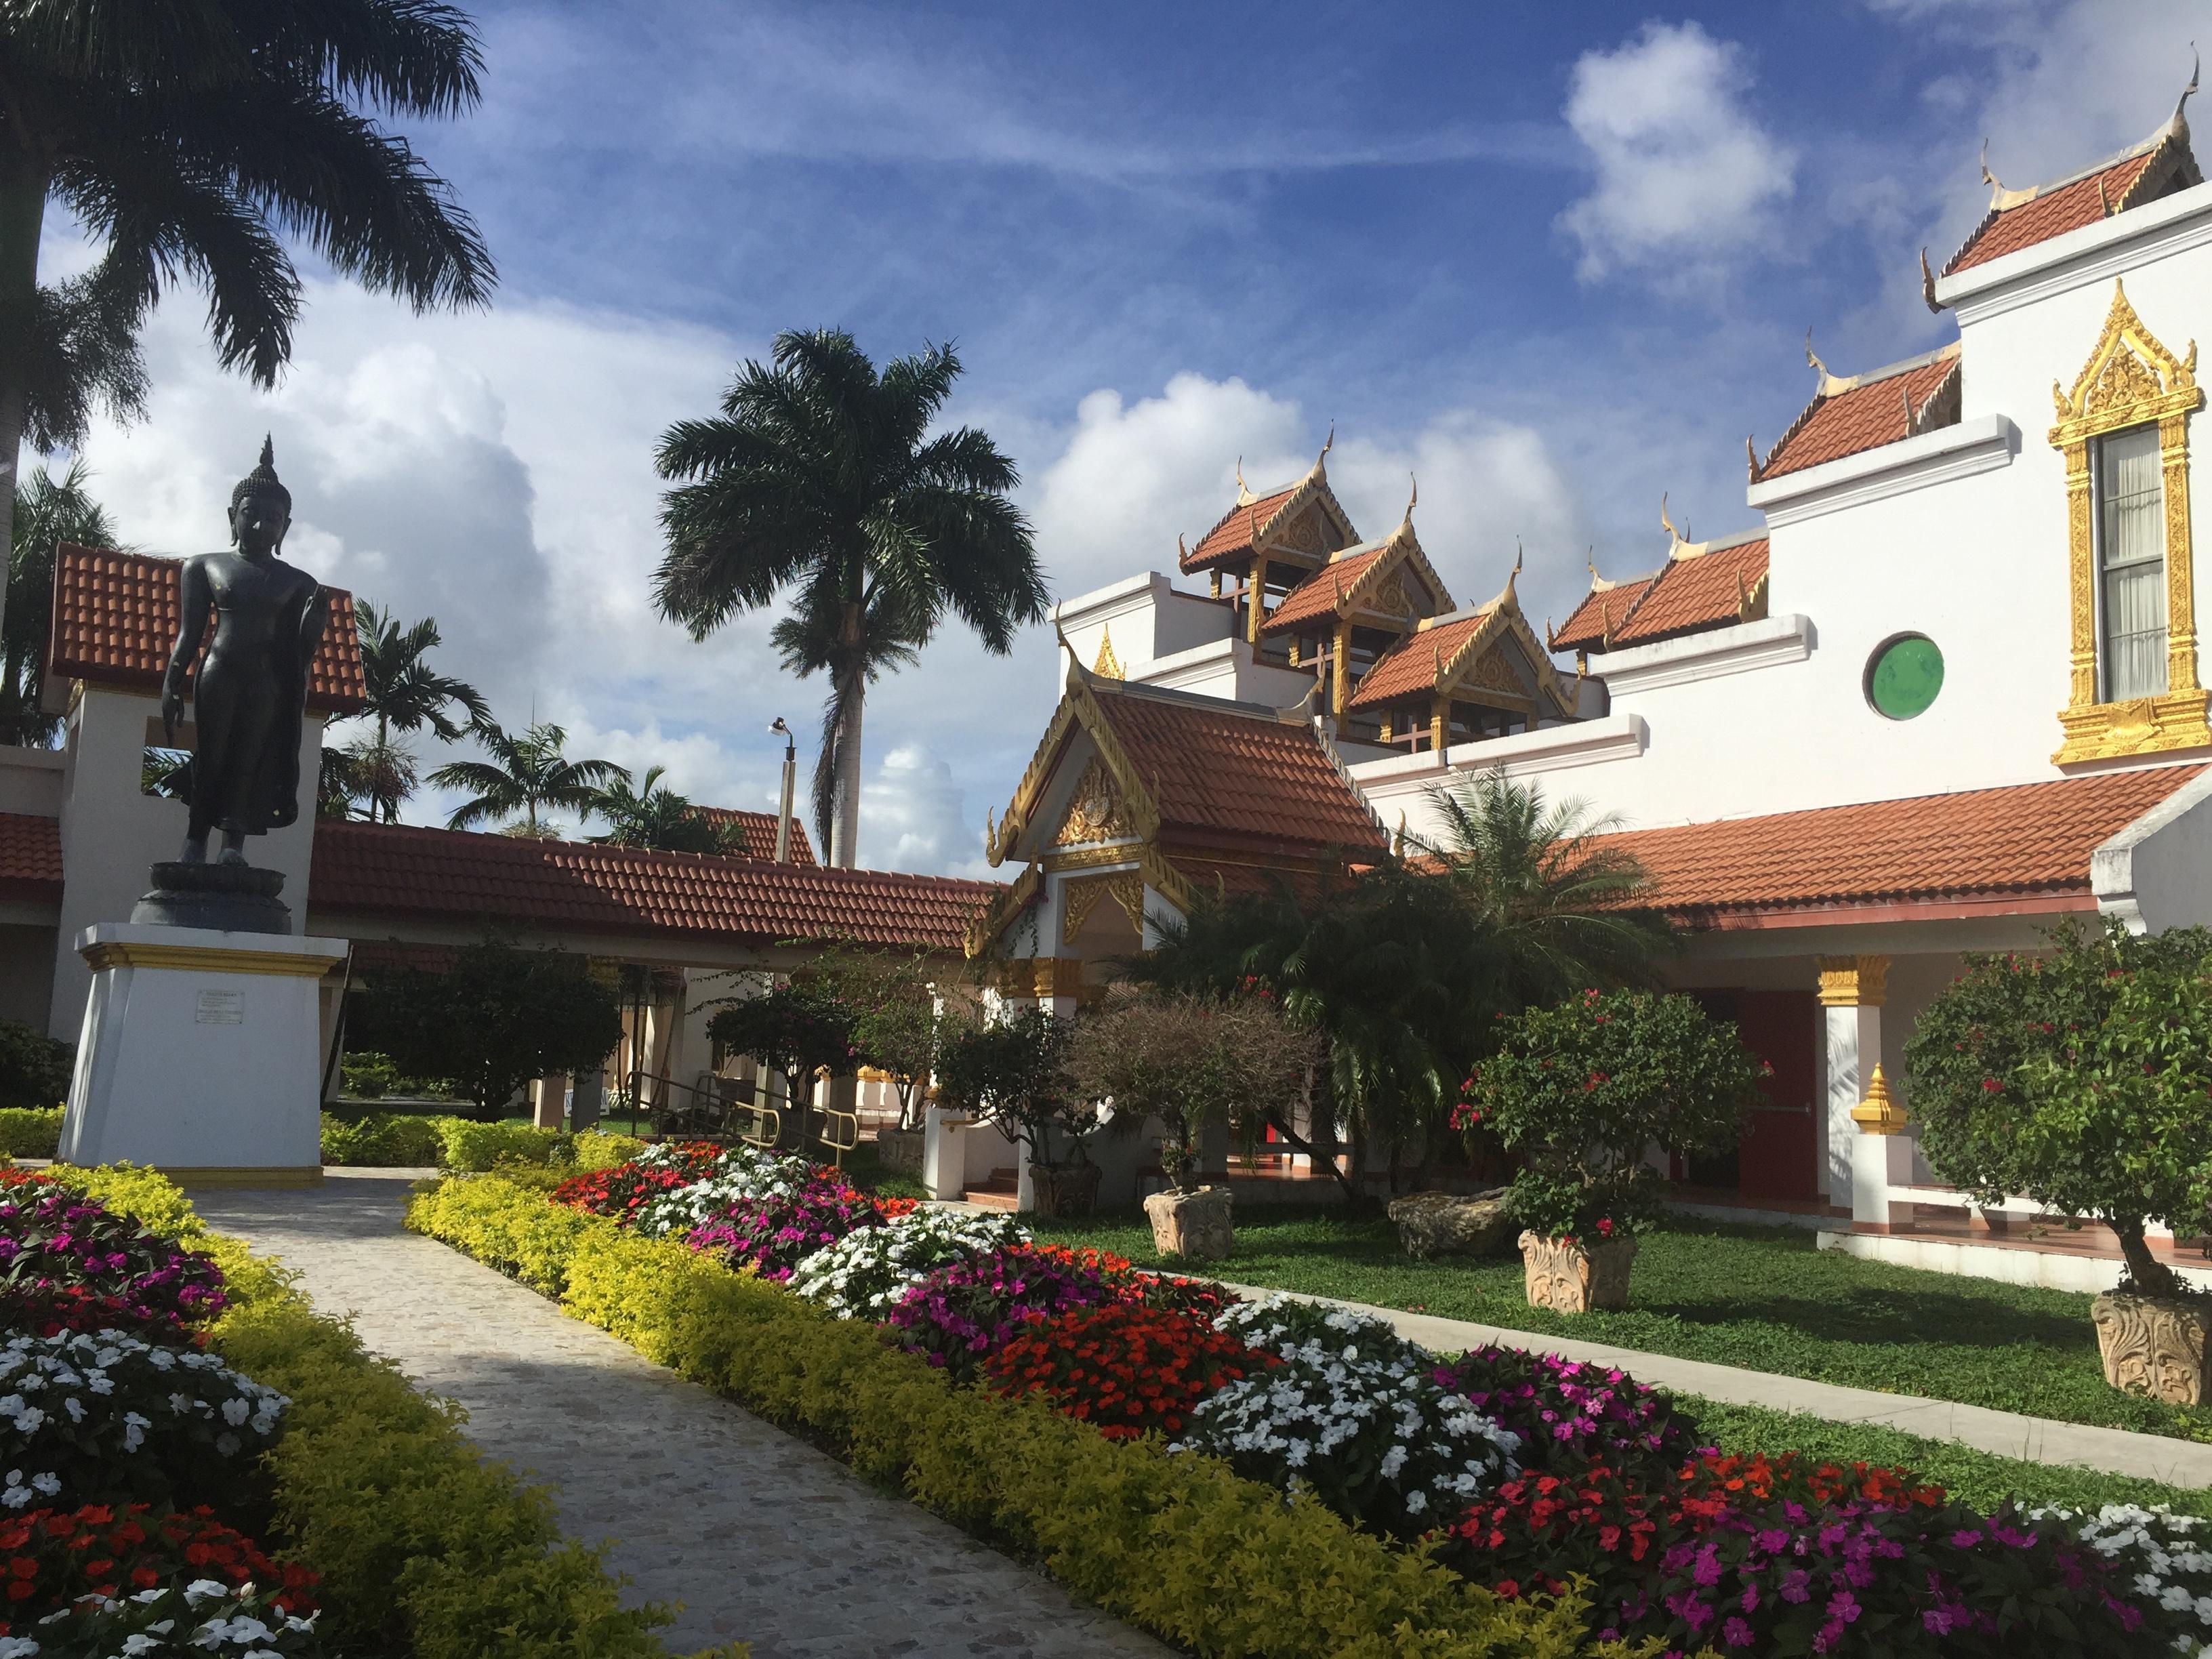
(47, 513)
(526, 773)
(820, 474)
(192, 140)
(653, 816)
(1559, 904)
(811, 638)
(404, 695)
(382, 773)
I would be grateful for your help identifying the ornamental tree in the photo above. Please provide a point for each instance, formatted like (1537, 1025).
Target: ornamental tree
(1585, 1089)
(794, 1029)
(1012, 1072)
(2082, 1079)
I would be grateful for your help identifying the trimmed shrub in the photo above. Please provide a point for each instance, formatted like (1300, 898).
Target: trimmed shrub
(1180, 1546)
(476, 1146)
(30, 1131)
(34, 1069)
(384, 1140)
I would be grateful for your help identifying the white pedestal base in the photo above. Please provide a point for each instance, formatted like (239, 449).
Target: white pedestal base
(200, 1055)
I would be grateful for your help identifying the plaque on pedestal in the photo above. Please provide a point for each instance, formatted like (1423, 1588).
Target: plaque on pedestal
(201, 1054)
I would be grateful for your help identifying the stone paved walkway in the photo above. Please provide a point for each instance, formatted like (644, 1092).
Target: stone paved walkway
(761, 1536)
(2009, 1434)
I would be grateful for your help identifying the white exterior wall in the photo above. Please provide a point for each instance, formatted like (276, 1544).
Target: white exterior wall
(111, 832)
(1184, 642)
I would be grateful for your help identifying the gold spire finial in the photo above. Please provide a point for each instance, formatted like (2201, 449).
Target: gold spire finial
(1996, 190)
(1812, 357)
(1412, 499)
(1182, 553)
(1589, 558)
(1666, 523)
(1327, 443)
(1927, 284)
(1751, 457)
(1879, 1114)
(2179, 124)
(1243, 490)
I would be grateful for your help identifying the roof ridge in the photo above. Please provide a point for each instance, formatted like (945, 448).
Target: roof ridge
(1144, 691)
(1834, 386)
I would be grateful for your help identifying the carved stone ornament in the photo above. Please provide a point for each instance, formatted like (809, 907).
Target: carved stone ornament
(1095, 812)
(1195, 1226)
(1303, 532)
(1572, 1279)
(2154, 1344)
(1125, 887)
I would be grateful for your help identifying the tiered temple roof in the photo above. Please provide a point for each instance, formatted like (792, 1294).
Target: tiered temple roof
(1851, 414)
(1703, 586)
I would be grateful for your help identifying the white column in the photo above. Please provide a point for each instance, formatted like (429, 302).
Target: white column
(1851, 995)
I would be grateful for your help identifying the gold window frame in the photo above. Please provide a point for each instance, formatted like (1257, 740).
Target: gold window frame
(2131, 379)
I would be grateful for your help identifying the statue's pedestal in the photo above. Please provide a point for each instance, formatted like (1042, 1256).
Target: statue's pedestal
(201, 1054)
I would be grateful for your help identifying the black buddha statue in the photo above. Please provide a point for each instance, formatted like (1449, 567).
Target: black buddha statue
(249, 699)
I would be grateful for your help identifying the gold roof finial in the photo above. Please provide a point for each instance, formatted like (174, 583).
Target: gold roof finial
(1666, 523)
(1829, 382)
(1243, 490)
(1927, 284)
(2179, 124)
(1589, 558)
(1182, 553)
(1997, 192)
(1327, 443)
(1751, 457)
(1412, 499)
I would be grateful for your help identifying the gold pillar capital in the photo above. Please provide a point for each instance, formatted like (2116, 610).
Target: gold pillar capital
(1853, 981)
(1879, 1114)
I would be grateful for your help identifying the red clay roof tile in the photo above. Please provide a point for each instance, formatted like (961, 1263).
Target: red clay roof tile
(1231, 538)
(2028, 839)
(399, 870)
(1223, 767)
(1411, 669)
(115, 618)
(759, 829)
(1869, 414)
(30, 856)
(1602, 612)
(1319, 594)
(2086, 201)
(1705, 590)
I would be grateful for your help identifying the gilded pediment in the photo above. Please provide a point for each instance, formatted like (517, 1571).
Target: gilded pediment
(1095, 812)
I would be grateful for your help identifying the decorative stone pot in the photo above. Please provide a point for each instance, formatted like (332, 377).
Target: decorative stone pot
(1448, 1223)
(1194, 1225)
(900, 1149)
(2157, 1345)
(1575, 1278)
(1064, 1189)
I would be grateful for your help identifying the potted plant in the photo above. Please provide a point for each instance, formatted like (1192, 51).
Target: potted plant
(2080, 1079)
(1012, 1072)
(1584, 1090)
(1184, 1060)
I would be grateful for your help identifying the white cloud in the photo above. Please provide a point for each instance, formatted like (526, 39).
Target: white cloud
(1685, 174)
(914, 817)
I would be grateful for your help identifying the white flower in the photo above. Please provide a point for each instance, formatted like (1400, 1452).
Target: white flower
(204, 1590)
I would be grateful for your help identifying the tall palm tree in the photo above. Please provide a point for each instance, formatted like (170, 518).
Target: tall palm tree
(381, 771)
(820, 474)
(47, 512)
(811, 639)
(651, 816)
(190, 140)
(1563, 907)
(404, 695)
(526, 773)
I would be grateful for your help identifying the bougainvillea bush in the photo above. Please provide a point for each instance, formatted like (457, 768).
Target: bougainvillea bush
(1354, 1412)
(1785, 1556)
(51, 1557)
(106, 1417)
(60, 1250)
(774, 1233)
(1122, 1367)
(1568, 1412)
(863, 1274)
(959, 1315)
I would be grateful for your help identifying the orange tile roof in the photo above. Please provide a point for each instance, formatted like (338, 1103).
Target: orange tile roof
(1867, 413)
(2028, 840)
(1703, 591)
(759, 830)
(30, 856)
(1230, 768)
(1412, 667)
(399, 870)
(1602, 612)
(1230, 539)
(1320, 594)
(2093, 198)
(115, 618)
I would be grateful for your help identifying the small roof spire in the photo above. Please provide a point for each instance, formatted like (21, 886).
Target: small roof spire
(1996, 190)
(2179, 124)
(1412, 499)
(1927, 284)
(1244, 496)
(1751, 457)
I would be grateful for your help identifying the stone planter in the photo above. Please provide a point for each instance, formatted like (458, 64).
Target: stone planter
(2154, 1344)
(900, 1149)
(1448, 1223)
(1194, 1225)
(1574, 1279)
(1064, 1189)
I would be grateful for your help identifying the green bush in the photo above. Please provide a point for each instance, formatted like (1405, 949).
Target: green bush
(384, 1140)
(478, 1146)
(30, 1131)
(398, 1141)
(601, 1149)
(368, 1075)
(1179, 1545)
(424, 1547)
(34, 1069)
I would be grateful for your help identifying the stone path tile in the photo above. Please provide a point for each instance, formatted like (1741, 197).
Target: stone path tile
(761, 1536)
(2009, 1434)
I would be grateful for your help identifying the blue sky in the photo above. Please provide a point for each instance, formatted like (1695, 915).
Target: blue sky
(1555, 258)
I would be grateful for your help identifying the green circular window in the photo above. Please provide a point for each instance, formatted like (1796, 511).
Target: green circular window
(1904, 675)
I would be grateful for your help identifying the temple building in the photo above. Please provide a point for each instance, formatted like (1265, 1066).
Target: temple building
(1936, 689)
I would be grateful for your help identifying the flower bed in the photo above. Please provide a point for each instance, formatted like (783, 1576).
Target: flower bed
(1531, 1474)
(281, 1424)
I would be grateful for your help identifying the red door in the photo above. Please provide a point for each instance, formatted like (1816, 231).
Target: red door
(1780, 1157)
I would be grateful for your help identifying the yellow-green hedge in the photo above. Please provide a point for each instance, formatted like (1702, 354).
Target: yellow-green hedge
(425, 1548)
(1178, 1544)
(404, 1141)
(30, 1131)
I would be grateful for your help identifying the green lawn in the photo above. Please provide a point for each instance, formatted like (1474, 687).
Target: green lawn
(1763, 1298)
